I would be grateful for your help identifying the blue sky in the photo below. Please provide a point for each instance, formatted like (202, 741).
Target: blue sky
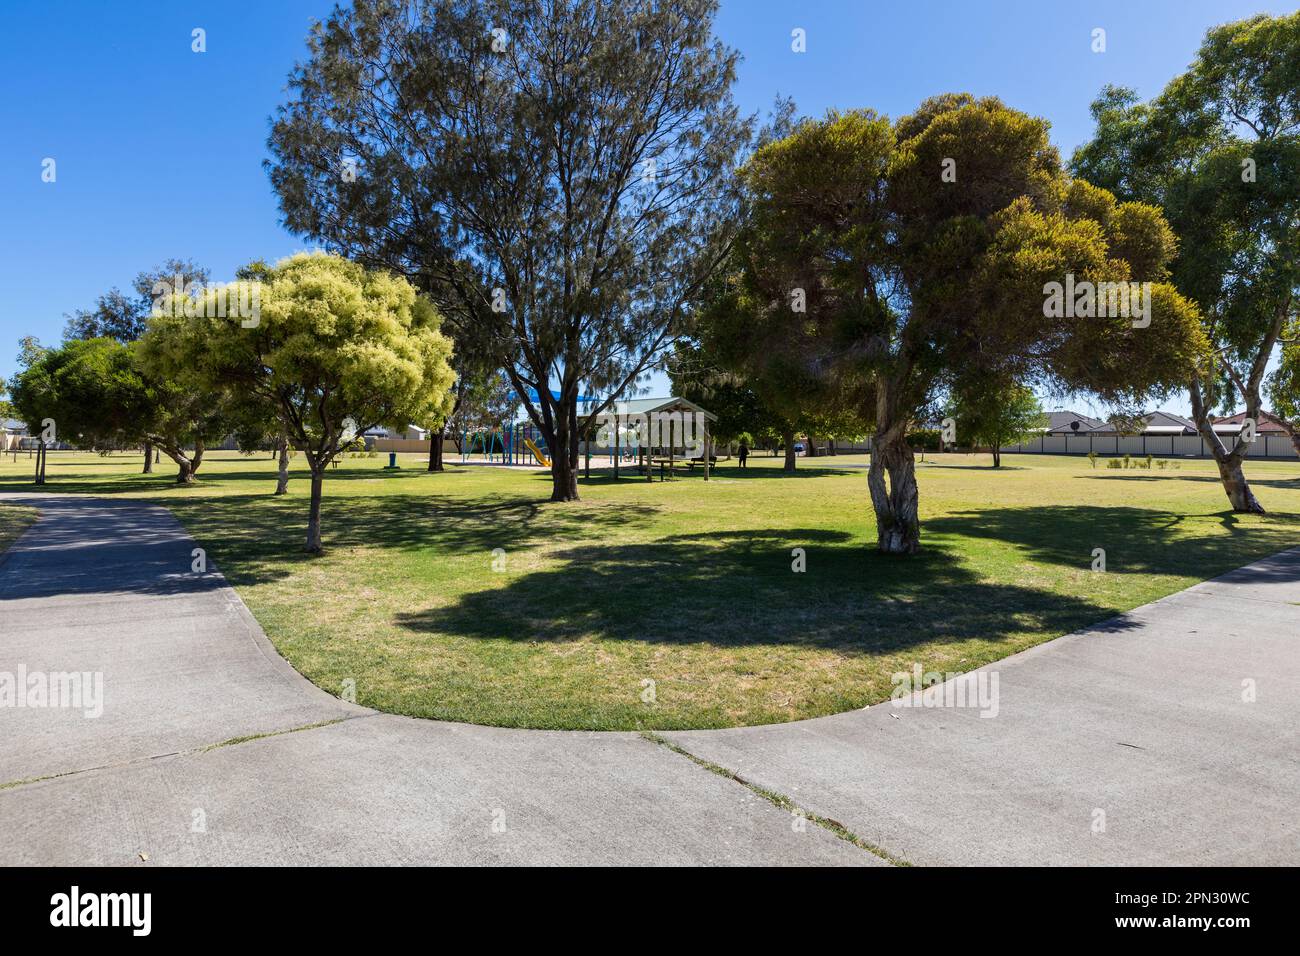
(159, 149)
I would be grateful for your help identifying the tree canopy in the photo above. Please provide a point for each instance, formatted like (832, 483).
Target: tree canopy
(338, 349)
(1219, 152)
(879, 259)
(557, 177)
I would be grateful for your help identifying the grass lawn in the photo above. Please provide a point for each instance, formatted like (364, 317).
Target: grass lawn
(14, 520)
(686, 584)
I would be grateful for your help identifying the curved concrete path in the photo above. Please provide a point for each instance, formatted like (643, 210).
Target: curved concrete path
(211, 750)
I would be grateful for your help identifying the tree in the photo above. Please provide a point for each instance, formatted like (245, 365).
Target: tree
(878, 261)
(765, 351)
(6, 407)
(124, 318)
(996, 414)
(482, 396)
(1219, 151)
(740, 411)
(557, 176)
(337, 350)
(99, 396)
(30, 350)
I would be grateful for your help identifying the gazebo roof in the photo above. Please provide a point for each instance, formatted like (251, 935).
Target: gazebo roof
(647, 406)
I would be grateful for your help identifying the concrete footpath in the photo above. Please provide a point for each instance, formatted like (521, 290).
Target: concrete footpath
(1129, 743)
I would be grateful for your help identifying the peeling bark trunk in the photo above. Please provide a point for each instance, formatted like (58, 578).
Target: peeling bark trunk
(282, 479)
(313, 516)
(1237, 488)
(898, 526)
(788, 438)
(1235, 485)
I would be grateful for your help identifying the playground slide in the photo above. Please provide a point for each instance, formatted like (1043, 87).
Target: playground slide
(537, 453)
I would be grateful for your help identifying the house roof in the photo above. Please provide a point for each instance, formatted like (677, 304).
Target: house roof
(1165, 420)
(1070, 423)
(1157, 423)
(12, 425)
(1268, 423)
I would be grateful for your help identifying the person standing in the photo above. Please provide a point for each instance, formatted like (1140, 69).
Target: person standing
(743, 453)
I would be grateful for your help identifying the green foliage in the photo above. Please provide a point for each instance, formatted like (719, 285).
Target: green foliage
(1219, 152)
(92, 391)
(924, 438)
(99, 396)
(124, 317)
(864, 283)
(561, 202)
(336, 350)
(996, 415)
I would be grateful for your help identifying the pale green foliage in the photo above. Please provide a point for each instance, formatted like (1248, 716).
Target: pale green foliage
(333, 342)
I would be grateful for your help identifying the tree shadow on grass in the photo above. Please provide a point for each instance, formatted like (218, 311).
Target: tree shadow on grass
(1136, 540)
(163, 479)
(263, 536)
(738, 589)
(1286, 483)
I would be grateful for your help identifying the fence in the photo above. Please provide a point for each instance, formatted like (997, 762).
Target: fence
(397, 444)
(1162, 446)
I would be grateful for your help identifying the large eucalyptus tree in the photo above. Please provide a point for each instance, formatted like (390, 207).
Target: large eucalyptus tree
(555, 174)
(1219, 151)
(887, 260)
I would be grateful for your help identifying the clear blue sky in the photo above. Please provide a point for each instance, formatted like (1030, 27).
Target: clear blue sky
(159, 150)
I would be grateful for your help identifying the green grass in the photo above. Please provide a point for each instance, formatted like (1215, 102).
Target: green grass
(683, 583)
(14, 520)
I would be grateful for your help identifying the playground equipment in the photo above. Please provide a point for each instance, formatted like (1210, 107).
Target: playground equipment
(519, 443)
(528, 443)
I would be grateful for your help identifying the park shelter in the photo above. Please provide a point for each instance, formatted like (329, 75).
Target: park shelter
(666, 442)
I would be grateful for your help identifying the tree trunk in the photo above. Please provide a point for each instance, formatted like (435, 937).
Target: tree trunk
(313, 516)
(898, 527)
(1237, 488)
(564, 455)
(40, 464)
(435, 451)
(997, 457)
(1234, 481)
(185, 473)
(282, 480)
(564, 478)
(788, 438)
(148, 458)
